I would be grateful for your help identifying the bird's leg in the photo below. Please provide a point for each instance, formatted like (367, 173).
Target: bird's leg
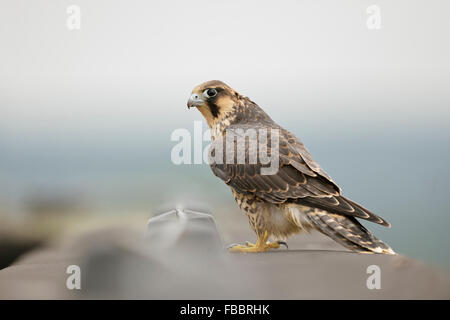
(260, 246)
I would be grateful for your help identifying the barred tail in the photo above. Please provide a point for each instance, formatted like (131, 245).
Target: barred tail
(348, 232)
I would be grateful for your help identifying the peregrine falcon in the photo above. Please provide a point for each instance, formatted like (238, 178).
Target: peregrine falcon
(297, 196)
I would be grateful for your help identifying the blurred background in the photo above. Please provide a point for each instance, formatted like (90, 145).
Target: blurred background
(86, 115)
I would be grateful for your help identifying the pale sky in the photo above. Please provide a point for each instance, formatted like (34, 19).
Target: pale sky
(133, 64)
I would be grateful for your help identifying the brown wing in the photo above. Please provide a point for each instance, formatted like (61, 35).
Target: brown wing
(299, 178)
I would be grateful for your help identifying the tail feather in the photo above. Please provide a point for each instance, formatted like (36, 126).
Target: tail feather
(325, 229)
(343, 206)
(348, 232)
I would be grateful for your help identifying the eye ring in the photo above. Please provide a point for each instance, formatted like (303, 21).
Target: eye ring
(209, 93)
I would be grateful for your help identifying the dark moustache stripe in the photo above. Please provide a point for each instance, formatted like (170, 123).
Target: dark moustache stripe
(212, 103)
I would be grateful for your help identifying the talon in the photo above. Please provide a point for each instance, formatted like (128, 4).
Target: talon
(283, 243)
(233, 245)
(239, 248)
(249, 244)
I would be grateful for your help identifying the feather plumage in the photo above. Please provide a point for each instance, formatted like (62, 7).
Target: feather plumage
(298, 181)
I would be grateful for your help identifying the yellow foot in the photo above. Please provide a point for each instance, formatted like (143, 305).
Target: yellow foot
(261, 245)
(250, 247)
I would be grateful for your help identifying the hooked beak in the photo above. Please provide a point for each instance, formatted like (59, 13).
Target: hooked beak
(195, 100)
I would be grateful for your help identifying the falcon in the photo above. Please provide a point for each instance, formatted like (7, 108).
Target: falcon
(297, 196)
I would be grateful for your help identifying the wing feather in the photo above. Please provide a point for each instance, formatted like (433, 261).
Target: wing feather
(299, 178)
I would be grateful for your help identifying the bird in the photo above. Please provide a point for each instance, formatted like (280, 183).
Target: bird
(298, 196)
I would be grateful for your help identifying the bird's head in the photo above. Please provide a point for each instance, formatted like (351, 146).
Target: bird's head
(214, 99)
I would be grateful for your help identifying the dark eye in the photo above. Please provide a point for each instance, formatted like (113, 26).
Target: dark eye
(209, 93)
